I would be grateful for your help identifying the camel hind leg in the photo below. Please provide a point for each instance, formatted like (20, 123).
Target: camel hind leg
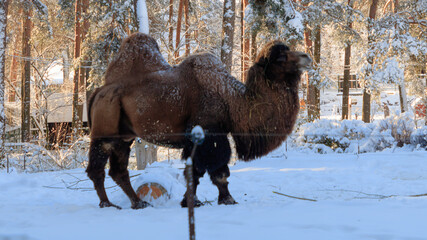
(99, 152)
(119, 160)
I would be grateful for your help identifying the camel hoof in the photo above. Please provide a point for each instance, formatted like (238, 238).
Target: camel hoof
(140, 205)
(104, 204)
(229, 200)
(197, 203)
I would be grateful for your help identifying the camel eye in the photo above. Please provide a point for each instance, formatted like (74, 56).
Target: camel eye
(282, 58)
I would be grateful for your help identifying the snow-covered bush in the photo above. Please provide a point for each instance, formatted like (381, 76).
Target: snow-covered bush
(419, 137)
(32, 157)
(401, 127)
(336, 135)
(325, 135)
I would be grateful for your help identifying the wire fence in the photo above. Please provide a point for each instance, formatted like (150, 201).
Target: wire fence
(39, 156)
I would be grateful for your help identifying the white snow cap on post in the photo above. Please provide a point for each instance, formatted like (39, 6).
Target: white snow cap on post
(141, 12)
(197, 135)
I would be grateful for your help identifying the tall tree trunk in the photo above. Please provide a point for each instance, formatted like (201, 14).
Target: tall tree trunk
(142, 19)
(76, 121)
(253, 45)
(26, 74)
(313, 92)
(145, 151)
(401, 84)
(13, 75)
(83, 62)
(170, 43)
(346, 81)
(424, 74)
(366, 105)
(178, 28)
(13, 70)
(316, 53)
(3, 34)
(310, 88)
(228, 23)
(66, 61)
(245, 50)
(187, 28)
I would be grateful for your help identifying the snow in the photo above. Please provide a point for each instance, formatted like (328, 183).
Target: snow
(142, 14)
(197, 134)
(297, 22)
(365, 196)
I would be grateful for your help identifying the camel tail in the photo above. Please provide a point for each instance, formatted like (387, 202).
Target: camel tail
(89, 106)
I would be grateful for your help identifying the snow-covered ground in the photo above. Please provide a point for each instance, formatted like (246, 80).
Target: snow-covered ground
(365, 196)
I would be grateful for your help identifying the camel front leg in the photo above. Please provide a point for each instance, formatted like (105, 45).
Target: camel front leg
(219, 179)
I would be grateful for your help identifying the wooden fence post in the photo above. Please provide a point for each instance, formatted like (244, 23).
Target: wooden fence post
(146, 153)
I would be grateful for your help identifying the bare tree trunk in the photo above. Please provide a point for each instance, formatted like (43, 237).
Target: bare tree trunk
(3, 34)
(84, 62)
(423, 72)
(187, 28)
(26, 74)
(13, 75)
(346, 82)
(13, 70)
(316, 54)
(402, 89)
(313, 93)
(178, 28)
(83, 30)
(228, 23)
(310, 96)
(76, 121)
(253, 45)
(245, 50)
(146, 153)
(170, 44)
(66, 61)
(366, 105)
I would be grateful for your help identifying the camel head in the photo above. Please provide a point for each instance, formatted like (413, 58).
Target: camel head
(280, 63)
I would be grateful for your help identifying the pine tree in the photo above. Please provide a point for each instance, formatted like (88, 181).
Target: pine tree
(228, 33)
(178, 28)
(244, 47)
(170, 38)
(77, 108)
(26, 73)
(366, 105)
(347, 67)
(3, 26)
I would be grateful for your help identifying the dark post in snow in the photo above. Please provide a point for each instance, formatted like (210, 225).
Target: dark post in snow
(197, 137)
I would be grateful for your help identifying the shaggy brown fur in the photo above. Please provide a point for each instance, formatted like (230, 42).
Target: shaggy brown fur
(145, 97)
